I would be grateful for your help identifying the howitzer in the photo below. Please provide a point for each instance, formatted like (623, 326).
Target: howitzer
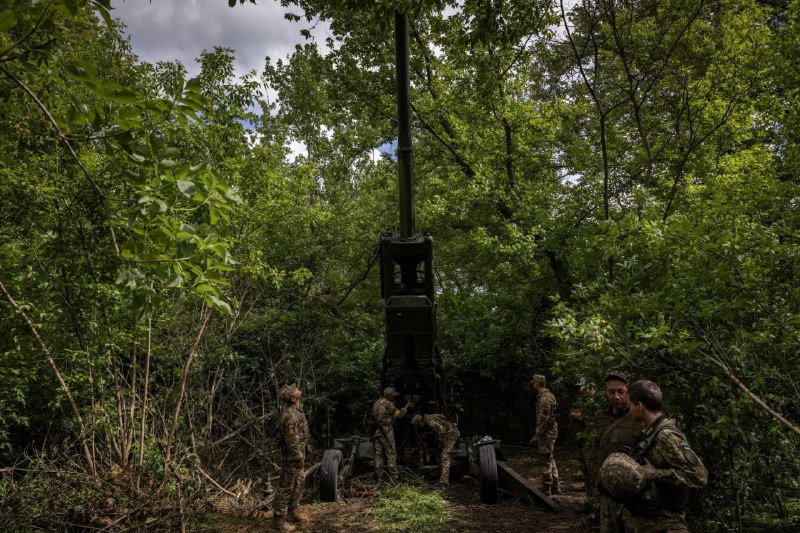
(412, 362)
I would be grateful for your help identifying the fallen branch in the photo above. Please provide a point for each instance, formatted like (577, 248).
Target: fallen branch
(220, 487)
(239, 430)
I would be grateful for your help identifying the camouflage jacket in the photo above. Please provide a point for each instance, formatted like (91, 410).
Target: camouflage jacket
(613, 431)
(294, 433)
(676, 463)
(546, 424)
(384, 411)
(444, 428)
(678, 469)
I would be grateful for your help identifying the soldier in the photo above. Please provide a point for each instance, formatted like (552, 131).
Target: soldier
(446, 433)
(671, 467)
(615, 428)
(385, 412)
(294, 439)
(546, 433)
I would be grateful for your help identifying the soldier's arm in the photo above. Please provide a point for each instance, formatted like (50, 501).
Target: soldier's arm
(295, 445)
(542, 416)
(384, 412)
(685, 467)
(436, 427)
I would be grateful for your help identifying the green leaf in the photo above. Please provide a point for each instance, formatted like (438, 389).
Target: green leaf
(176, 281)
(218, 304)
(82, 107)
(186, 187)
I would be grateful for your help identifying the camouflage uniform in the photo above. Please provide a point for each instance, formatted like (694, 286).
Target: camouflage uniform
(384, 411)
(294, 438)
(614, 430)
(546, 433)
(678, 469)
(447, 434)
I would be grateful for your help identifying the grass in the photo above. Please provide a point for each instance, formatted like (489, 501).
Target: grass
(410, 508)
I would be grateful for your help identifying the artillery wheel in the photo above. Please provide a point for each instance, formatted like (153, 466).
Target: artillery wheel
(329, 481)
(488, 473)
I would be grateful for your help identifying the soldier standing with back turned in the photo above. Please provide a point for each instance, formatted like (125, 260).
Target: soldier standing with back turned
(670, 465)
(546, 433)
(385, 412)
(294, 440)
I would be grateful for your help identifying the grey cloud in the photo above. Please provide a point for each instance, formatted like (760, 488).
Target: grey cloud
(182, 29)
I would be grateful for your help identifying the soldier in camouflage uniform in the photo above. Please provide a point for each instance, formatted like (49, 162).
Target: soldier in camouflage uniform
(546, 433)
(385, 412)
(446, 433)
(670, 465)
(293, 429)
(615, 428)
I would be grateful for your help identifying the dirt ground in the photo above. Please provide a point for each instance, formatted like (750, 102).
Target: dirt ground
(469, 515)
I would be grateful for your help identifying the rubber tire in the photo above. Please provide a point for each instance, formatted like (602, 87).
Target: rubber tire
(329, 476)
(487, 461)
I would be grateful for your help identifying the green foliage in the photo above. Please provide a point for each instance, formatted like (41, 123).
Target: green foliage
(621, 195)
(409, 508)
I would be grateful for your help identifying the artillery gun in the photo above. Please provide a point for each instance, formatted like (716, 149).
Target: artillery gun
(412, 362)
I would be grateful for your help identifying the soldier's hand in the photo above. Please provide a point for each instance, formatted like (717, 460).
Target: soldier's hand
(649, 469)
(576, 416)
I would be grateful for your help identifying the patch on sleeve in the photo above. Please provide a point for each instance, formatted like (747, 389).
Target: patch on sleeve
(397, 412)
(291, 430)
(689, 454)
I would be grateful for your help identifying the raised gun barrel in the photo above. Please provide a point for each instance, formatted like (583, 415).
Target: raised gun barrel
(411, 362)
(404, 149)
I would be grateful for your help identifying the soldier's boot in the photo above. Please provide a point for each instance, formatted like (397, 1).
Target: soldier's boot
(280, 524)
(547, 489)
(295, 517)
(556, 487)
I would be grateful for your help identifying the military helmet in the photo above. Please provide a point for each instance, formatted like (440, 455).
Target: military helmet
(616, 373)
(390, 391)
(622, 476)
(539, 379)
(417, 420)
(286, 393)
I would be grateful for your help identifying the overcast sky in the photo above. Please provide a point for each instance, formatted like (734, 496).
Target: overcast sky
(181, 29)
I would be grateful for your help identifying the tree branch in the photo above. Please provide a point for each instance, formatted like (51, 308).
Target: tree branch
(75, 411)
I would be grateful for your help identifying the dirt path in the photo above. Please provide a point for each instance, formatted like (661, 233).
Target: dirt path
(354, 513)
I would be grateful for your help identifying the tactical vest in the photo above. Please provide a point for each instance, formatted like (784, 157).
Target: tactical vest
(655, 497)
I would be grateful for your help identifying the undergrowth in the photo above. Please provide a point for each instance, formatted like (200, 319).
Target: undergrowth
(411, 508)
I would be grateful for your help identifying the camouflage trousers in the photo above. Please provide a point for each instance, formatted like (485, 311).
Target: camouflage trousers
(385, 454)
(611, 515)
(448, 442)
(549, 471)
(290, 487)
